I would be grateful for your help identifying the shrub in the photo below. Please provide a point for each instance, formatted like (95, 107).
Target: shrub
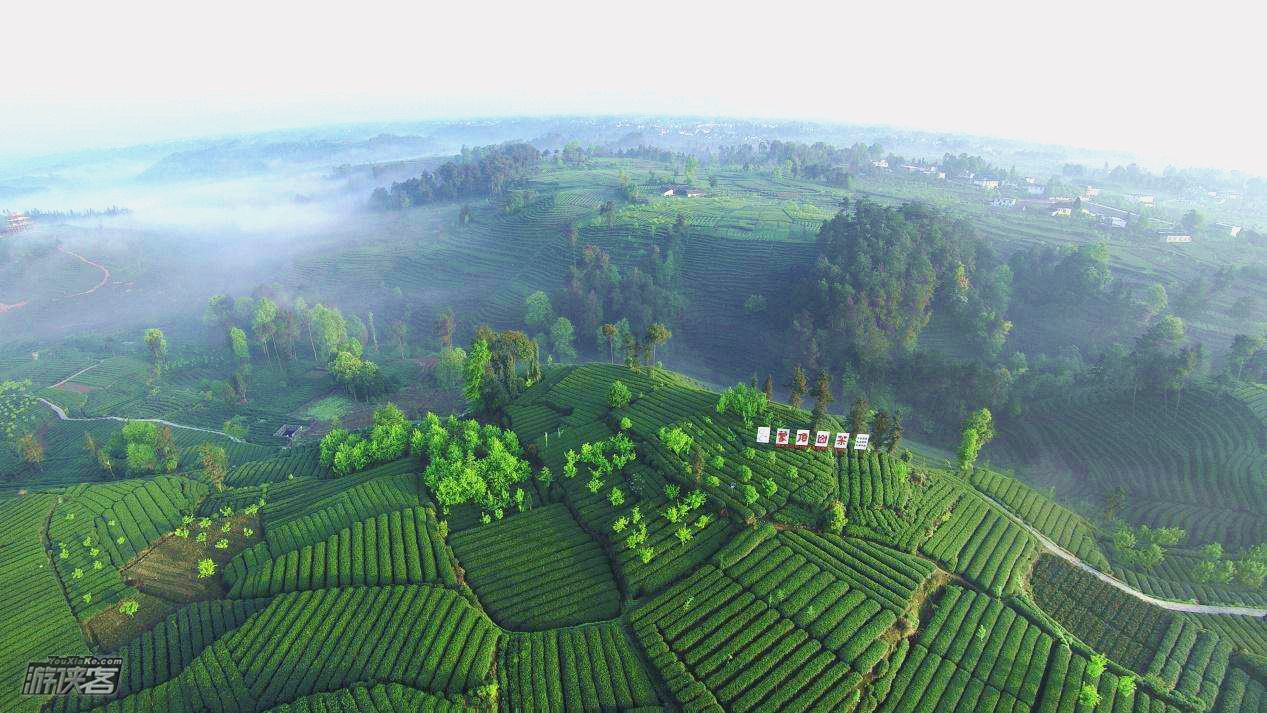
(1088, 696)
(744, 401)
(619, 395)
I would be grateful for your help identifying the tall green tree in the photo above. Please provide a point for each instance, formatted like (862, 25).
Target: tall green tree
(978, 430)
(562, 336)
(744, 401)
(330, 331)
(1192, 221)
(886, 431)
(241, 350)
(822, 395)
(799, 384)
(477, 361)
(1244, 347)
(657, 333)
(539, 314)
(859, 415)
(373, 330)
(449, 367)
(609, 332)
(157, 344)
(215, 464)
(444, 328)
(263, 324)
(1163, 362)
(398, 332)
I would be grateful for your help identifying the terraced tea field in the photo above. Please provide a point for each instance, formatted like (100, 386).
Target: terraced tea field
(696, 577)
(1200, 470)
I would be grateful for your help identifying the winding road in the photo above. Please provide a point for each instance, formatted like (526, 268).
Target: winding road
(1073, 559)
(61, 414)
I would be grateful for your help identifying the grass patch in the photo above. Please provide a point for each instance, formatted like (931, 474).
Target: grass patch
(330, 408)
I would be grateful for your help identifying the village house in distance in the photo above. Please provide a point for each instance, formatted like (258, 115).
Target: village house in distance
(683, 191)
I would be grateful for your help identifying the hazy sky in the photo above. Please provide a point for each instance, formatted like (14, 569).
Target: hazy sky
(1125, 75)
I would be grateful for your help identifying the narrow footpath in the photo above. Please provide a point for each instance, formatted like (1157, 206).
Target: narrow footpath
(61, 414)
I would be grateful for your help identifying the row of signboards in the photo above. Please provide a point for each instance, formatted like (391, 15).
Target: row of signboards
(822, 440)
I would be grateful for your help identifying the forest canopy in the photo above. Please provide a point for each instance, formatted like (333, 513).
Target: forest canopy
(880, 271)
(484, 172)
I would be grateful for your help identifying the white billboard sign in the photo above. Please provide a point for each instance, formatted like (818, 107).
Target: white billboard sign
(782, 437)
(842, 441)
(822, 439)
(763, 434)
(802, 438)
(860, 441)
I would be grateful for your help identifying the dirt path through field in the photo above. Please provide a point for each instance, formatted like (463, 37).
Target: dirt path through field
(1073, 559)
(61, 414)
(63, 381)
(105, 272)
(105, 278)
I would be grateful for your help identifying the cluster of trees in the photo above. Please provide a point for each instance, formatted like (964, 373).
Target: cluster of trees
(359, 376)
(879, 273)
(744, 401)
(1184, 181)
(345, 452)
(16, 402)
(553, 334)
(276, 330)
(492, 375)
(817, 162)
(1144, 547)
(60, 216)
(597, 292)
(471, 464)
(1061, 277)
(1197, 295)
(1247, 358)
(883, 273)
(604, 458)
(635, 349)
(1162, 360)
(139, 448)
(156, 341)
(964, 164)
(885, 428)
(1249, 570)
(480, 172)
